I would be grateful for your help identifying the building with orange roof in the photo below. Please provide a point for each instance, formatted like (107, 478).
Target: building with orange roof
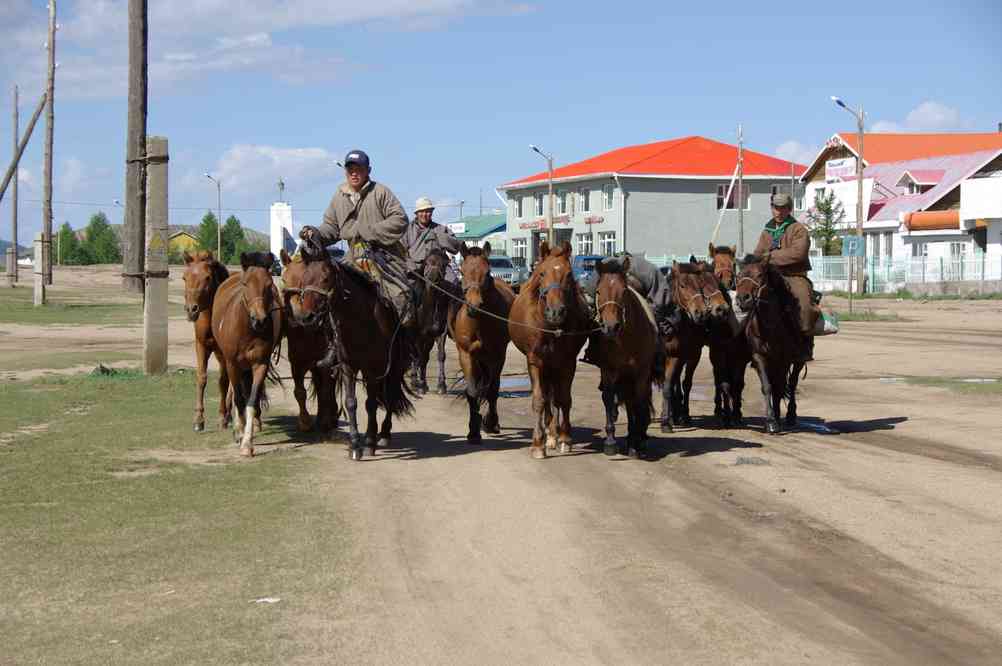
(660, 198)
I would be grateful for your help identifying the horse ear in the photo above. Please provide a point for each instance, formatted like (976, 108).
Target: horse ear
(246, 260)
(271, 259)
(544, 249)
(487, 249)
(187, 257)
(286, 259)
(692, 259)
(626, 265)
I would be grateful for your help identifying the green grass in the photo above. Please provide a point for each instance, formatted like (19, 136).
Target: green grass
(868, 315)
(115, 552)
(16, 307)
(958, 384)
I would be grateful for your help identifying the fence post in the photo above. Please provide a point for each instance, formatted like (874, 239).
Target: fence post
(155, 305)
(39, 297)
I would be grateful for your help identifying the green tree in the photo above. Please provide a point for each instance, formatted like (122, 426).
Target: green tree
(824, 220)
(69, 252)
(207, 231)
(101, 245)
(234, 241)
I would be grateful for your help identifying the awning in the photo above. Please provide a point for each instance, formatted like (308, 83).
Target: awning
(933, 220)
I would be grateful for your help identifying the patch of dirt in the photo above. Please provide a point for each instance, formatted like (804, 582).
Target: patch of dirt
(26, 431)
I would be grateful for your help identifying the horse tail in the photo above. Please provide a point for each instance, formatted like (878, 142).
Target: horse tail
(397, 393)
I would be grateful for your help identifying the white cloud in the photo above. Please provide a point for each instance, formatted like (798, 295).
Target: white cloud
(929, 116)
(71, 176)
(247, 171)
(794, 151)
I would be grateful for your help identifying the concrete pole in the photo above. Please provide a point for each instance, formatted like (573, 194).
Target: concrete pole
(12, 250)
(39, 296)
(741, 193)
(134, 232)
(47, 165)
(155, 303)
(859, 196)
(549, 209)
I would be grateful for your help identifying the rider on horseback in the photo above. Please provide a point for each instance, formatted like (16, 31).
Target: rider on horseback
(785, 242)
(422, 236)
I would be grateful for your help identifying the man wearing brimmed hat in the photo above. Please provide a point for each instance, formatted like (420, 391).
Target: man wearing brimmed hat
(786, 243)
(370, 218)
(424, 235)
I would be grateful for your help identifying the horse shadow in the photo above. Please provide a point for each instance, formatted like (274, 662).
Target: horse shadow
(687, 447)
(817, 425)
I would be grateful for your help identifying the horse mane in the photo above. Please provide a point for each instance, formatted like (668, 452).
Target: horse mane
(723, 249)
(257, 259)
(690, 267)
(470, 251)
(219, 272)
(610, 265)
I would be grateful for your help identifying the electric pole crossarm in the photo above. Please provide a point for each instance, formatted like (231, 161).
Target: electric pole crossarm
(24, 144)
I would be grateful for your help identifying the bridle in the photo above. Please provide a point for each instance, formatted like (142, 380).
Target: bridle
(247, 303)
(193, 294)
(624, 311)
(759, 288)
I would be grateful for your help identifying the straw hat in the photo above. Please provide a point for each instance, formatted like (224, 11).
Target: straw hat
(423, 203)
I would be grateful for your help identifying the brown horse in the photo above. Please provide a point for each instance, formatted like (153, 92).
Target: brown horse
(203, 276)
(481, 340)
(772, 329)
(369, 342)
(247, 324)
(628, 343)
(549, 323)
(307, 342)
(729, 350)
(432, 316)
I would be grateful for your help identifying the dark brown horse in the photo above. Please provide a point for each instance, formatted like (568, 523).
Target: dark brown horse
(247, 324)
(203, 276)
(481, 340)
(549, 323)
(307, 343)
(627, 346)
(432, 319)
(772, 329)
(369, 342)
(729, 350)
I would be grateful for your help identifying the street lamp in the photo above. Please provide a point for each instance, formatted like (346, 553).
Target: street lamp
(859, 116)
(549, 208)
(219, 216)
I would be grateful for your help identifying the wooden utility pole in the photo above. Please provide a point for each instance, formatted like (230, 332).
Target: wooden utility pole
(741, 193)
(12, 169)
(39, 290)
(157, 271)
(134, 230)
(47, 166)
(12, 250)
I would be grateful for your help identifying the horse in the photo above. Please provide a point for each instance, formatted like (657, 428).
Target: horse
(628, 343)
(773, 333)
(203, 276)
(729, 350)
(696, 292)
(307, 343)
(481, 339)
(549, 323)
(369, 342)
(432, 316)
(247, 324)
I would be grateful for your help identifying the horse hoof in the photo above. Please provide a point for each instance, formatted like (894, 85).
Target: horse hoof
(634, 453)
(666, 427)
(383, 443)
(199, 427)
(687, 421)
(566, 447)
(792, 421)
(304, 426)
(551, 443)
(537, 453)
(610, 448)
(355, 454)
(441, 389)
(492, 428)
(372, 452)
(247, 451)
(772, 427)
(474, 438)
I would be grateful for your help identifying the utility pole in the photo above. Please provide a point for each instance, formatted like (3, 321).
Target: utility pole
(859, 198)
(12, 250)
(461, 210)
(741, 193)
(549, 210)
(12, 169)
(47, 165)
(134, 232)
(219, 216)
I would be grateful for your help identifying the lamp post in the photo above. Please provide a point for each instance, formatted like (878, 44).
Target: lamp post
(859, 116)
(549, 207)
(219, 216)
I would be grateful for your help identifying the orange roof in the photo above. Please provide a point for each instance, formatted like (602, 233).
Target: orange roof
(933, 220)
(692, 156)
(880, 147)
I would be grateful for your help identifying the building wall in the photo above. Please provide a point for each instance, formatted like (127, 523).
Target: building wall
(183, 242)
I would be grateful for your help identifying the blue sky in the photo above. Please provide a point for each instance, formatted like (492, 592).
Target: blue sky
(446, 95)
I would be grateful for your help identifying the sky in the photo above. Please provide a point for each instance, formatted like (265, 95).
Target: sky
(447, 95)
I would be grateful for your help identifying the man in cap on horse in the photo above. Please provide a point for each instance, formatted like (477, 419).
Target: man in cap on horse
(423, 235)
(786, 242)
(369, 217)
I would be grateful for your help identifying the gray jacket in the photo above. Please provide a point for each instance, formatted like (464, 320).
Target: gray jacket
(373, 215)
(419, 241)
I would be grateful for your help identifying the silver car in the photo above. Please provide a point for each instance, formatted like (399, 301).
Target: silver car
(502, 267)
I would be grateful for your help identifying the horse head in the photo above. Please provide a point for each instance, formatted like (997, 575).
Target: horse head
(309, 282)
(687, 290)
(724, 264)
(476, 276)
(610, 295)
(717, 306)
(556, 282)
(202, 277)
(257, 291)
(753, 282)
(435, 265)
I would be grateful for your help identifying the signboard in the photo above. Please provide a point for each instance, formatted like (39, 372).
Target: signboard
(840, 168)
(594, 219)
(853, 246)
(457, 227)
(535, 224)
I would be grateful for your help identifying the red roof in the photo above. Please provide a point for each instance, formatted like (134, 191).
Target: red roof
(880, 147)
(927, 176)
(689, 156)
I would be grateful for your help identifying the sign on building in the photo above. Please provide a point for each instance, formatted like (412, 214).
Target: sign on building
(840, 168)
(457, 227)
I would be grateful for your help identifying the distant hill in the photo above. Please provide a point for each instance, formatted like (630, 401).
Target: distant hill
(21, 250)
(251, 235)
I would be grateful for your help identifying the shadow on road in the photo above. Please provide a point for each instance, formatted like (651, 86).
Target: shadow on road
(886, 423)
(666, 445)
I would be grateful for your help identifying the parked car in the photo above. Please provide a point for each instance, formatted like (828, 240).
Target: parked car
(583, 265)
(503, 267)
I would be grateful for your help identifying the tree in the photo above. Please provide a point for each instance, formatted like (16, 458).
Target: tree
(207, 232)
(101, 244)
(68, 247)
(233, 240)
(824, 220)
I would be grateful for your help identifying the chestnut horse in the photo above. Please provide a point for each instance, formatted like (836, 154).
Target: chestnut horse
(203, 276)
(549, 323)
(247, 324)
(772, 329)
(369, 342)
(729, 350)
(627, 344)
(307, 343)
(481, 340)
(432, 315)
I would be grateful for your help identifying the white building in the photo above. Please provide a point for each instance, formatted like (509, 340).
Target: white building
(282, 231)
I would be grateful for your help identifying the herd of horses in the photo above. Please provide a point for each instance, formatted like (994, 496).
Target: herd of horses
(242, 318)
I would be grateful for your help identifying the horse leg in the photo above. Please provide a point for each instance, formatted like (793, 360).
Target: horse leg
(690, 370)
(326, 407)
(737, 391)
(225, 394)
(492, 423)
(201, 370)
(771, 422)
(562, 401)
(239, 400)
(473, 381)
(259, 373)
(611, 414)
(550, 412)
(791, 394)
(441, 365)
(299, 380)
(351, 406)
(385, 432)
(642, 416)
(371, 411)
(674, 368)
(719, 399)
(537, 450)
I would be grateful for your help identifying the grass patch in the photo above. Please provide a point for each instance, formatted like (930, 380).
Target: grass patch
(868, 315)
(16, 307)
(62, 360)
(130, 539)
(960, 385)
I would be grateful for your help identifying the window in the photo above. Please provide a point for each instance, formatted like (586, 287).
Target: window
(585, 194)
(584, 244)
(920, 250)
(562, 202)
(518, 247)
(958, 250)
(889, 244)
(518, 207)
(798, 194)
(607, 243)
(539, 203)
(732, 202)
(607, 192)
